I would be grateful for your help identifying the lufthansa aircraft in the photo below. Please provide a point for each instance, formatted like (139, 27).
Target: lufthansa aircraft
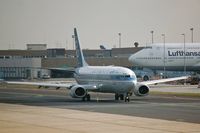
(175, 57)
(106, 79)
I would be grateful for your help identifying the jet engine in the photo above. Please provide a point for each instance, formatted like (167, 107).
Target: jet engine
(78, 91)
(141, 90)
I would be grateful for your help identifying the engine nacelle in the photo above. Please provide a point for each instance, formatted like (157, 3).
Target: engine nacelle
(77, 91)
(141, 90)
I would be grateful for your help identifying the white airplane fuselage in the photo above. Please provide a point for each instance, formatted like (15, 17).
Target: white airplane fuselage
(109, 79)
(153, 57)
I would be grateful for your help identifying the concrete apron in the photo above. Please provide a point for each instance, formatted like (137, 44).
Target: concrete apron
(31, 119)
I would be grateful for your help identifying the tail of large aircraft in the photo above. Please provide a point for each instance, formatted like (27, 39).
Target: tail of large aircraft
(79, 53)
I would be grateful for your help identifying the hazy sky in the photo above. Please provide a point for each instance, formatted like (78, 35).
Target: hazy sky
(98, 22)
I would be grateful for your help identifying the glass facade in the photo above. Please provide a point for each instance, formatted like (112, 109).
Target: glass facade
(14, 72)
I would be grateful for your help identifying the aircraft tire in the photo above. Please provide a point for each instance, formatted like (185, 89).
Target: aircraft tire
(116, 96)
(121, 97)
(146, 78)
(127, 99)
(88, 97)
(83, 98)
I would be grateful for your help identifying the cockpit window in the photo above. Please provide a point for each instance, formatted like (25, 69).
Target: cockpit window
(127, 76)
(124, 76)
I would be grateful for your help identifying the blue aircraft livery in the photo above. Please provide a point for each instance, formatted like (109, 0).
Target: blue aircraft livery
(181, 53)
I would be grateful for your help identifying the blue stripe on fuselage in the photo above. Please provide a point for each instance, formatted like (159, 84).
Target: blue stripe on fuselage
(104, 77)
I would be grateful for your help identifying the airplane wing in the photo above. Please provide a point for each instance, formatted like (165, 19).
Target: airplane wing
(55, 85)
(43, 84)
(63, 69)
(164, 80)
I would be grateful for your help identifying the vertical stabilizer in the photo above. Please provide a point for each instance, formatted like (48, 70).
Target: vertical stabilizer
(79, 53)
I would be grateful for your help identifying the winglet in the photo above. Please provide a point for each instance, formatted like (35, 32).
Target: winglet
(79, 53)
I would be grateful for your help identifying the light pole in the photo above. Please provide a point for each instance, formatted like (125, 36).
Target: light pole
(73, 37)
(119, 39)
(192, 34)
(184, 55)
(152, 36)
(163, 35)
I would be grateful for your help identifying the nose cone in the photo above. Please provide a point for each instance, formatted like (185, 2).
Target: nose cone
(130, 58)
(133, 59)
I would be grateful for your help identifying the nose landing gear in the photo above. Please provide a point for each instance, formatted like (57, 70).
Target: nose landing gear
(127, 98)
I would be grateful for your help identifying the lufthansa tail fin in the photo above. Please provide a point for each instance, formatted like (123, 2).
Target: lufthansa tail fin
(79, 53)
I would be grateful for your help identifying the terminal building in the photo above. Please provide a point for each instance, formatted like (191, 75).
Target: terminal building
(20, 68)
(37, 61)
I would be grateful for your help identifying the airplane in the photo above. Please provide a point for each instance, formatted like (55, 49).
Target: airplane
(152, 57)
(106, 79)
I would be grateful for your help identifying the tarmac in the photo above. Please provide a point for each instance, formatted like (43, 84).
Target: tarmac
(23, 119)
(175, 88)
(45, 110)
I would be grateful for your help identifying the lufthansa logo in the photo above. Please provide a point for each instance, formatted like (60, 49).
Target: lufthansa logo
(181, 53)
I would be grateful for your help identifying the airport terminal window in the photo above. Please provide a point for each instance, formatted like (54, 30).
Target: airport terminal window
(174, 48)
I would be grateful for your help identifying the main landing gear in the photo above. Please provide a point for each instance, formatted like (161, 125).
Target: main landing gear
(86, 97)
(122, 97)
